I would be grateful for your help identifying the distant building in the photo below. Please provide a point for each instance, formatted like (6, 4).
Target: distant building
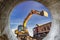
(41, 31)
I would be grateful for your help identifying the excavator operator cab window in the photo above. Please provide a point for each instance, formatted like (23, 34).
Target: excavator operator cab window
(20, 27)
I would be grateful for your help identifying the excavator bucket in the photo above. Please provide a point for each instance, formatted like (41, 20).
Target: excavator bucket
(44, 13)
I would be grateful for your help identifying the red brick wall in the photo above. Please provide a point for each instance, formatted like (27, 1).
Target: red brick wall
(42, 28)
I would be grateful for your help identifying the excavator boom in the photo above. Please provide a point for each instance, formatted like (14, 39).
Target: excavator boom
(42, 13)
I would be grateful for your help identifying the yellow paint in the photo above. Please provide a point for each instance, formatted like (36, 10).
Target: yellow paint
(16, 31)
(26, 20)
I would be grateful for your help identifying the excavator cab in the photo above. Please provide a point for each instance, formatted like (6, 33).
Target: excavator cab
(20, 28)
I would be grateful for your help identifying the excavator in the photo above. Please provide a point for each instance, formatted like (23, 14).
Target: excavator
(22, 30)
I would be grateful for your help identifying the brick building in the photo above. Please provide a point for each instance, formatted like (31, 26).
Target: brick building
(41, 31)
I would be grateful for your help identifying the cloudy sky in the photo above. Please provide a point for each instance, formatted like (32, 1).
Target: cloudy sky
(20, 11)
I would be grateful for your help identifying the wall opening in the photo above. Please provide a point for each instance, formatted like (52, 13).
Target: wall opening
(19, 13)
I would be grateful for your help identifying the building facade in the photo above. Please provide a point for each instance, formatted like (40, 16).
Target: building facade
(41, 31)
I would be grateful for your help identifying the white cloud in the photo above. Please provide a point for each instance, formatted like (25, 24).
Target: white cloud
(16, 21)
(30, 30)
(13, 30)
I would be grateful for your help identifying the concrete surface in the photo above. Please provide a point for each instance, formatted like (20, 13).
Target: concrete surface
(6, 7)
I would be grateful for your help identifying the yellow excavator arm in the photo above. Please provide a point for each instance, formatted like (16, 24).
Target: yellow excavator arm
(42, 13)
